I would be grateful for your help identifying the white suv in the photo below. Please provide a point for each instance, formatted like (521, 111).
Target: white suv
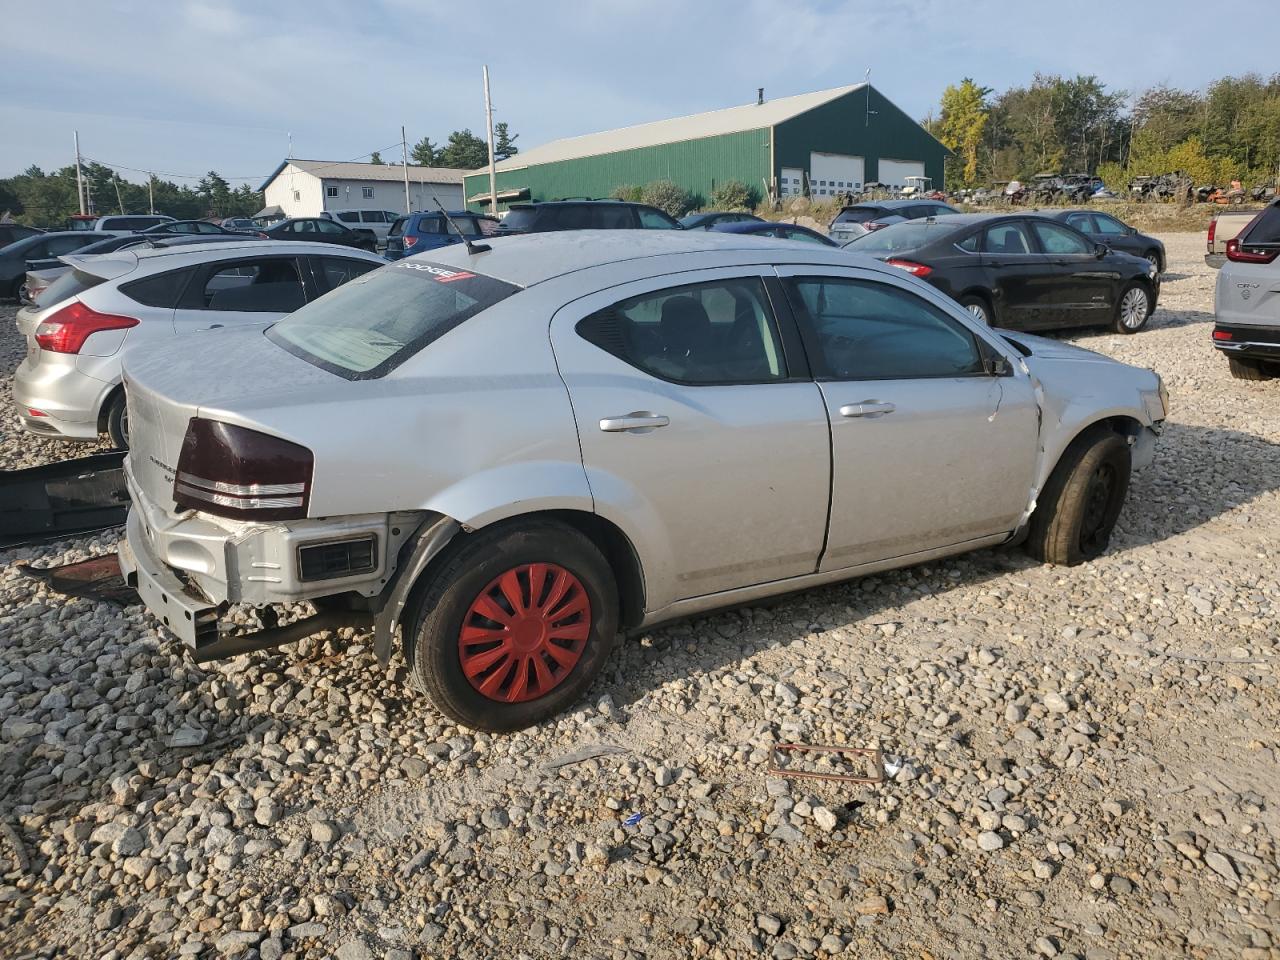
(377, 222)
(1246, 302)
(69, 385)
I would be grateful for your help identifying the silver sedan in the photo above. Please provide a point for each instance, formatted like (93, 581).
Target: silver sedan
(499, 458)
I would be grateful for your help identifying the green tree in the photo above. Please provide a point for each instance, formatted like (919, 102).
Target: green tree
(464, 151)
(216, 193)
(376, 158)
(504, 142)
(424, 153)
(963, 124)
(667, 196)
(629, 192)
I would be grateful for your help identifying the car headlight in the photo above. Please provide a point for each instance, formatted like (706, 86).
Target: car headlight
(1156, 401)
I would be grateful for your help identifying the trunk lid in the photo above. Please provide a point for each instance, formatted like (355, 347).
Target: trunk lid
(169, 384)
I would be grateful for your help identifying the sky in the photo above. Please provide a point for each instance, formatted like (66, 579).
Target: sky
(186, 86)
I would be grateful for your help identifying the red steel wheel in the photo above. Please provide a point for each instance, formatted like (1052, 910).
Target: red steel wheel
(525, 632)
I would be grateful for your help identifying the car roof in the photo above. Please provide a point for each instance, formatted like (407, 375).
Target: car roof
(111, 265)
(752, 226)
(528, 259)
(606, 202)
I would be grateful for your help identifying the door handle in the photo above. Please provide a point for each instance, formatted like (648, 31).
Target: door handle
(639, 421)
(867, 408)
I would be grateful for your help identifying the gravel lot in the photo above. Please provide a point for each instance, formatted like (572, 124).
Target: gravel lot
(1086, 758)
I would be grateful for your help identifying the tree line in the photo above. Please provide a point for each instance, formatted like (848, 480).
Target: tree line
(1229, 131)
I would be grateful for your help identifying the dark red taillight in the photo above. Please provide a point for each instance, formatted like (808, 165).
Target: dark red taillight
(873, 225)
(1222, 335)
(1213, 231)
(409, 241)
(913, 268)
(66, 330)
(264, 236)
(1238, 254)
(235, 472)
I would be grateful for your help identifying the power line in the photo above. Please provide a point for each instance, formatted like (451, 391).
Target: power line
(261, 176)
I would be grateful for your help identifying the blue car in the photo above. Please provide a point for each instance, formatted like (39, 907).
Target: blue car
(416, 232)
(766, 228)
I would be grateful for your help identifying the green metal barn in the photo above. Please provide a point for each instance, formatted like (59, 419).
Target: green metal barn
(824, 143)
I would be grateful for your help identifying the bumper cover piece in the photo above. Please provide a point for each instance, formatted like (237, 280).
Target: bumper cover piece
(60, 499)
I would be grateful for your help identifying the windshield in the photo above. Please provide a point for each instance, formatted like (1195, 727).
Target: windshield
(370, 325)
(908, 235)
(857, 214)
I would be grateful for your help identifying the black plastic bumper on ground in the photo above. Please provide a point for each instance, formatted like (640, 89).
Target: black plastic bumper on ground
(62, 499)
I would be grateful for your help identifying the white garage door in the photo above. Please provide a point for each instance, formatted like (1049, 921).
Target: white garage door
(895, 172)
(834, 173)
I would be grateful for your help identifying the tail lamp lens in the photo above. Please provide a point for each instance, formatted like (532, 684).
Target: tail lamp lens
(66, 330)
(1222, 335)
(913, 268)
(1239, 254)
(234, 472)
(410, 241)
(872, 225)
(1213, 229)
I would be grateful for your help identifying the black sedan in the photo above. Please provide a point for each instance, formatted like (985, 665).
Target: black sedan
(192, 227)
(37, 252)
(710, 218)
(784, 231)
(321, 231)
(1116, 234)
(1021, 271)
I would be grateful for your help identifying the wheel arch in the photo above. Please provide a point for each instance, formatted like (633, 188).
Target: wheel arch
(104, 408)
(984, 295)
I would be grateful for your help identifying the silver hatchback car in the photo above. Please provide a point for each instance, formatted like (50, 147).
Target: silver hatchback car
(503, 456)
(69, 385)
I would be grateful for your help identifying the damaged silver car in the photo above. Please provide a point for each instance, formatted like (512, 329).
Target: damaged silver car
(498, 458)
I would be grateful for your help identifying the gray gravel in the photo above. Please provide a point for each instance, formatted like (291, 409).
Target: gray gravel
(1083, 760)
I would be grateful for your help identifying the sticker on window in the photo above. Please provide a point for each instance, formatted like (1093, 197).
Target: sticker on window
(439, 274)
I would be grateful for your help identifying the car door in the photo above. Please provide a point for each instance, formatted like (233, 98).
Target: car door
(1022, 279)
(701, 430)
(330, 232)
(1082, 294)
(1117, 235)
(929, 449)
(242, 292)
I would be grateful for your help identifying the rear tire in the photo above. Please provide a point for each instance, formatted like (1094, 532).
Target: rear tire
(550, 654)
(118, 422)
(1078, 508)
(1133, 309)
(979, 308)
(1249, 369)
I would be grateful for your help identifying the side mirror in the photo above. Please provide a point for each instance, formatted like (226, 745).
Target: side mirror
(1100, 250)
(997, 365)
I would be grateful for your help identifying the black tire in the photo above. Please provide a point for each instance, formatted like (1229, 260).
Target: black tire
(973, 303)
(15, 291)
(466, 575)
(1129, 317)
(1249, 369)
(117, 419)
(1078, 508)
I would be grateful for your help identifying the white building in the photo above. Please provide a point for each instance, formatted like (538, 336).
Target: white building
(307, 188)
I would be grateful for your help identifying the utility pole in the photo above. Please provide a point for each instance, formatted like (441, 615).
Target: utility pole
(151, 193)
(115, 182)
(79, 177)
(493, 169)
(404, 152)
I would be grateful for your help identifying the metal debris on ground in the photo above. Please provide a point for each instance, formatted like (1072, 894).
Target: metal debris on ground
(57, 500)
(843, 764)
(582, 754)
(97, 578)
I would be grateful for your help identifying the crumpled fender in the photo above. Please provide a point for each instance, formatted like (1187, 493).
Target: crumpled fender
(432, 536)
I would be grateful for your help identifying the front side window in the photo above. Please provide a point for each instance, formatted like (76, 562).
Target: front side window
(865, 330)
(654, 219)
(371, 216)
(372, 324)
(1082, 222)
(1008, 239)
(718, 332)
(269, 285)
(328, 226)
(1108, 225)
(60, 245)
(303, 226)
(1059, 241)
(367, 192)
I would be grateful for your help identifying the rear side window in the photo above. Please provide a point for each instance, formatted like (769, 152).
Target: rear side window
(254, 286)
(708, 333)
(429, 225)
(520, 219)
(349, 216)
(372, 216)
(858, 214)
(371, 325)
(335, 271)
(1007, 239)
(162, 290)
(654, 219)
(1082, 222)
(908, 235)
(397, 228)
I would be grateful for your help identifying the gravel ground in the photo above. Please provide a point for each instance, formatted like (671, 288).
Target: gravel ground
(1085, 758)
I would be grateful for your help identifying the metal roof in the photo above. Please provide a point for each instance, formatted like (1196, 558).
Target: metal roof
(345, 170)
(751, 116)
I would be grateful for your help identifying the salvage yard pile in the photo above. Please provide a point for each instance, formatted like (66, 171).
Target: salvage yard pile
(1083, 761)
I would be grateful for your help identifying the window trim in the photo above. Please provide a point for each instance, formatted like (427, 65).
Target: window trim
(366, 193)
(793, 357)
(813, 346)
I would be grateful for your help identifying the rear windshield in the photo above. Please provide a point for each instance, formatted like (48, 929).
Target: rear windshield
(857, 215)
(908, 235)
(70, 284)
(372, 324)
(1265, 229)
